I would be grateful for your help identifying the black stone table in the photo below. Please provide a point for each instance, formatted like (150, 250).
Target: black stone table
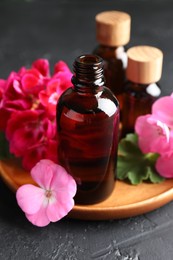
(64, 29)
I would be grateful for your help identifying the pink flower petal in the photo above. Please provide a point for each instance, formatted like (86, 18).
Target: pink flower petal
(29, 81)
(61, 66)
(39, 219)
(42, 65)
(65, 199)
(32, 81)
(65, 79)
(17, 87)
(19, 104)
(62, 181)
(153, 135)
(19, 119)
(21, 141)
(51, 202)
(60, 209)
(49, 129)
(22, 71)
(2, 85)
(30, 198)
(43, 173)
(164, 165)
(43, 97)
(162, 109)
(53, 86)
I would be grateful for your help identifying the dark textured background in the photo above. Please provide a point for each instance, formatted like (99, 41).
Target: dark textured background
(63, 30)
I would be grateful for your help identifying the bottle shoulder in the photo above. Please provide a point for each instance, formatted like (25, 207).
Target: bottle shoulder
(107, 51)
(116, 56)
(102, 101)
(136, 89)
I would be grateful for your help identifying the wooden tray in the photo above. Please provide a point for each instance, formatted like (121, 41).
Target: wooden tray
(125, 201)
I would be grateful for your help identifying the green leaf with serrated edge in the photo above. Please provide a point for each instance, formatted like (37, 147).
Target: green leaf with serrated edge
(126, 147)
(133, 165)
(155, 178)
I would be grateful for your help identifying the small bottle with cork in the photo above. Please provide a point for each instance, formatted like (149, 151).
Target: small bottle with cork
(87, 126)
(141, 89)
(113, 32)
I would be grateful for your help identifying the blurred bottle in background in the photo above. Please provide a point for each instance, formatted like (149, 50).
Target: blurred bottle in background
(141, 89)
(113, 32)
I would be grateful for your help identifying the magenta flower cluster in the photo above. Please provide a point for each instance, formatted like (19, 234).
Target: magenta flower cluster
(155, 134)
(27, 110)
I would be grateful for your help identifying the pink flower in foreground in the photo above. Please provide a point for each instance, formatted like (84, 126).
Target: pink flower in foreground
(164, 165)
(163, 110)
(153, 135)
(53, 199)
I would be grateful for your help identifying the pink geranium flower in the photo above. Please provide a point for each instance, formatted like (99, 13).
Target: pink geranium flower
(42, 65)
(33, 81)
(163, 110)
(61, 66)
(55, 87)
(32, 136)
(45, 149)
(28, 101)
(153, 135)
(164, 164)
(26, 129)
(52, 199)
(13, 98)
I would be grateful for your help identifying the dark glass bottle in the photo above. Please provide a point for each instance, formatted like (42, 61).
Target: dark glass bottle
(137, 101)
(115, 60)
(141, 90)
(113, 32)
(87, 124)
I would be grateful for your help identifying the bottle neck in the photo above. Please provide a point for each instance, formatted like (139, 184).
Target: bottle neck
(88, 74)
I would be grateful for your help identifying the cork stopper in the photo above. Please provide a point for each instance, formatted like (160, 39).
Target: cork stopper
(144, 64)
(113, 28)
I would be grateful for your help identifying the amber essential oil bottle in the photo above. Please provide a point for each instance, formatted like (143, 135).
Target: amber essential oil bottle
(113, 32)
(141, 90)
(87, 125)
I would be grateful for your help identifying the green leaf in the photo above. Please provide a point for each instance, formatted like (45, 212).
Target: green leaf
(4, 147)
(133, 165)
(132, 138)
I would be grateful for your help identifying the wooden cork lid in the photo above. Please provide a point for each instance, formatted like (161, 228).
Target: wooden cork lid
(113, 28)
(144, 64)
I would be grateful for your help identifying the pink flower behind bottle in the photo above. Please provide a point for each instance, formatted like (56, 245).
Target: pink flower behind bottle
(155, 134)
(28, 107)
